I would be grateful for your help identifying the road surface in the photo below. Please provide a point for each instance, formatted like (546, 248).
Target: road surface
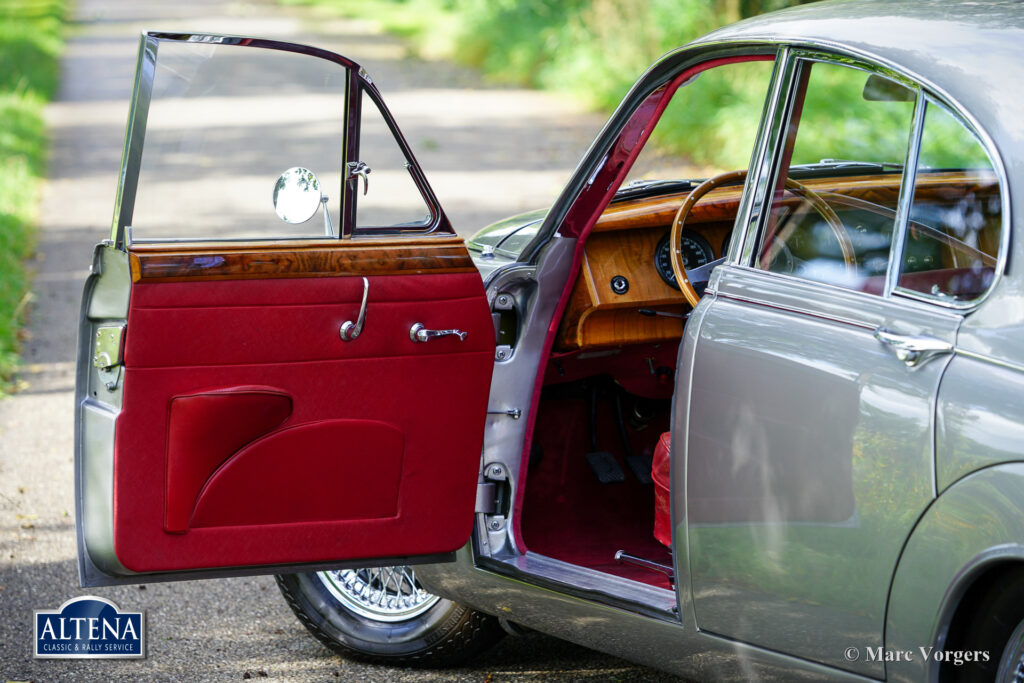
(488, 152)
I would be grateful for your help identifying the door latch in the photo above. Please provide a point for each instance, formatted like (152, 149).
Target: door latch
(108, 353)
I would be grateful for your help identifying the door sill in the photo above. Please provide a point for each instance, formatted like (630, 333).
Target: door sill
(586, 584)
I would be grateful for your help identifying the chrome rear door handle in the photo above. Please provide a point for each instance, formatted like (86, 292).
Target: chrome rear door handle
(913, 350)
(419, 333)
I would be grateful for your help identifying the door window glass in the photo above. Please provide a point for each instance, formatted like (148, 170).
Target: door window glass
(953, 235)
(389, 196)
(833, 209)
(224, 123)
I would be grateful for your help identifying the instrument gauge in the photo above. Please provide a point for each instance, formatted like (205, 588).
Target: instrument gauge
(695, 249)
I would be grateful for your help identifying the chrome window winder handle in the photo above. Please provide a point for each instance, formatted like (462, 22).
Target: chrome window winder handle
(913, 350)
(350, 330)
(419, 333)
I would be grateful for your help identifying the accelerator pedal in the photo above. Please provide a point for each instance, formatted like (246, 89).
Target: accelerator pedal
(605, 467)
(641, 468)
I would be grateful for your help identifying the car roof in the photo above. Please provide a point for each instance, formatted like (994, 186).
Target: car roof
(970, 51)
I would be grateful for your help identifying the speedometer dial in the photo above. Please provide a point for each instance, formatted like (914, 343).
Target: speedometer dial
(696, 252)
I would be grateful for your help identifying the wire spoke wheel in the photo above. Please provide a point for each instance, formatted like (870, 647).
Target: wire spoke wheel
(384, 615)
(1011, 666)
(381, 593)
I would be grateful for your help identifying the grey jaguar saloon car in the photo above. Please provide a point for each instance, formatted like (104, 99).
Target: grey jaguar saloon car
(756, 416)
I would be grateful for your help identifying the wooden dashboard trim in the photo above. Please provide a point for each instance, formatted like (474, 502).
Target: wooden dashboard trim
(721, 204)
(626, 235)
(195, 262)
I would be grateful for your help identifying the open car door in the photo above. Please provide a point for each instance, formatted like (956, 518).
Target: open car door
(262, 390)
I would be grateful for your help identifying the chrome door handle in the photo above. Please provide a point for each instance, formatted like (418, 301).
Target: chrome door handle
(350, 330)
(419, 333)
(913, 350)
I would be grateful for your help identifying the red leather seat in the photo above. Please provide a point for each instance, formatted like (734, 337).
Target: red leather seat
(661, 473)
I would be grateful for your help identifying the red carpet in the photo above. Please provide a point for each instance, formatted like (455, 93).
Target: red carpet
(567, 513)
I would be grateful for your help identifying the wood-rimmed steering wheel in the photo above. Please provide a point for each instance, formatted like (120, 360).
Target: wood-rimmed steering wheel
(812, 197)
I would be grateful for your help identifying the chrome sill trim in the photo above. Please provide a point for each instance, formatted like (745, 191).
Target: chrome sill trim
(586, 584)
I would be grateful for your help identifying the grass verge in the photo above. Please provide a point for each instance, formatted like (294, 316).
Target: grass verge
(30, 43)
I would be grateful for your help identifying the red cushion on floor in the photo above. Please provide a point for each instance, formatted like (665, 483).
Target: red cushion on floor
(661, 472)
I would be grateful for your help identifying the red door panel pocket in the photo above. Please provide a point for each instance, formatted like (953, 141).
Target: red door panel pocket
(329, 470)
(204, 430)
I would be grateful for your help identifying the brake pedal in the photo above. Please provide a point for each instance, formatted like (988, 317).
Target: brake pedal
(605, 467)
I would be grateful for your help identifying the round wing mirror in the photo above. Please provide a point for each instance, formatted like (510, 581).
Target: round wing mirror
(297, 195)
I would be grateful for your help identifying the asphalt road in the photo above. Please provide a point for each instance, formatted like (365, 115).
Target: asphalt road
(488, 152)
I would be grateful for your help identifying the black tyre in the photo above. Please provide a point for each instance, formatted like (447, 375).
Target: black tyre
(998, 629)
(384, 616)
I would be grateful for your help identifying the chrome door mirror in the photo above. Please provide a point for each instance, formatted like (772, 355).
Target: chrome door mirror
(297, 195)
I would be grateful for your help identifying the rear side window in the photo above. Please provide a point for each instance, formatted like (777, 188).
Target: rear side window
(953, 235)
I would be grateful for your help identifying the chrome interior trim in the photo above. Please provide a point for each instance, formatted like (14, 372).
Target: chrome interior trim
(350, 330)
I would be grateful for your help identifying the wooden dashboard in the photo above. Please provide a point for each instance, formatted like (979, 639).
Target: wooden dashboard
(623, 243)
(625, 239)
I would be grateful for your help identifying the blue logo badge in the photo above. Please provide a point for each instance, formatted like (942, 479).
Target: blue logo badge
(89, 628)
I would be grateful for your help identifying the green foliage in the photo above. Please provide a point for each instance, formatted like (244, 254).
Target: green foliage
(594, 49)
(30, 42)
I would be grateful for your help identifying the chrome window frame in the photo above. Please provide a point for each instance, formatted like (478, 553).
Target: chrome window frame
(895, 265)
(357, 84)
(121, 231)
(751, 218)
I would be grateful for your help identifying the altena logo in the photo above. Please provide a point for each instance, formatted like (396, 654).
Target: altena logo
(89, 628)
